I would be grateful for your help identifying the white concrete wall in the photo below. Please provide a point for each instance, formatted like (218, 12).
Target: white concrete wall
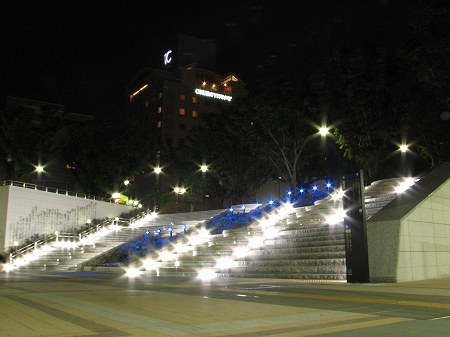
(424, 247)
(25, 212)
(3, 214)
(414, 247)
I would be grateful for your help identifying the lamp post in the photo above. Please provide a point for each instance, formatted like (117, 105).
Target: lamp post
(39, 170)
(403, 149)
(203, 168)
(323, 133)
(179, 191)
(157, 171)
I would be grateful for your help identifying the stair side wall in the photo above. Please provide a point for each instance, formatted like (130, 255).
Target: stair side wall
(416, 247)
(26, 212)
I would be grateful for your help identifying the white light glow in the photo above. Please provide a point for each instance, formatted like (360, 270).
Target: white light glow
(270, 232)
(132, 272)
(407, 183)
(323, 131)
(206, 274)
(241, 251)
(151, 265)
(256, 241)
(8, 267)
(337, 195)
(335, 218)
(167, 256)
(65, 244)
(225, 263)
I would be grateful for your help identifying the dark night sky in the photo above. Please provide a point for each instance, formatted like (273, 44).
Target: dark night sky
(82, 54)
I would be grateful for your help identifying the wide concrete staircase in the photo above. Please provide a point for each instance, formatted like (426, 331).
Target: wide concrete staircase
(288, 242)
(295, 243)
(69, 251)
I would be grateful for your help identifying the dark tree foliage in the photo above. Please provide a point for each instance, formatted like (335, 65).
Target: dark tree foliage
(106, 154)
(29, 138)
(222, 142)
(283, 131)
(426, 56)
(355, 90)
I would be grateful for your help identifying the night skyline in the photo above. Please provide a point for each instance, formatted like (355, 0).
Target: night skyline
(83, 56)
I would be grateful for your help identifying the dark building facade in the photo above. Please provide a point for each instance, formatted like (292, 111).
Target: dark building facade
(169, 102)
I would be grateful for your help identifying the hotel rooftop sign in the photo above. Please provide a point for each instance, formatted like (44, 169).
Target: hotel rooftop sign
(213, 95)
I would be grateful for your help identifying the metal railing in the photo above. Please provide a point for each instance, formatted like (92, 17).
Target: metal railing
(54, 190)
(74, 237)
(55, 237)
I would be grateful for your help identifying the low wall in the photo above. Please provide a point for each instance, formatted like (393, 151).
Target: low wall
(25, 212)
(409, 239)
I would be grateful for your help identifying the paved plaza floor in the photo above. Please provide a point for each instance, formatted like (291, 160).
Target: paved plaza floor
(97, 304)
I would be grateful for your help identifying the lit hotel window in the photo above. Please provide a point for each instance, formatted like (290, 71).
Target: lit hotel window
(159, 124)
(194, 99)
(159, 109)
(160, 95)
(158, 153)
(182, 97)
(194, 113)
(182, 111)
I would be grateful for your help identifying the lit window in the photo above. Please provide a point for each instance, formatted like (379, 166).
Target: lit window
(159, 109)
(159, 124)
(182, 97)
(194, 99)
(182, 111)
(160, 95)
(194, 113)
(158, 153)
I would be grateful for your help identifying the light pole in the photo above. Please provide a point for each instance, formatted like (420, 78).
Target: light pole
(179, 191)
(403, 149)
(157, 171)
(39, 170)
(203, 168)
(323, 133)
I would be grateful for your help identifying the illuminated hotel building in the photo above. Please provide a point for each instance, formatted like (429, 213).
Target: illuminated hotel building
(170, 101)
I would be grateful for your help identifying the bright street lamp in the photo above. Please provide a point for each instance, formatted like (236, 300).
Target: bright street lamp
(323, 131)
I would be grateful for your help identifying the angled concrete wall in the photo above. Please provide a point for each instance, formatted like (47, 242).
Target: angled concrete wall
(409, 239)
(25, 212)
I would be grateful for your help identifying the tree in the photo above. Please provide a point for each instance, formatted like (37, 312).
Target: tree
(281, 128)
(105, 154)
(355, 90)
(29, 138)
(234, 170)
(427, 64)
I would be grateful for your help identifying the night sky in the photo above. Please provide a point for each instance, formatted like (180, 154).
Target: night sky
(83, 54)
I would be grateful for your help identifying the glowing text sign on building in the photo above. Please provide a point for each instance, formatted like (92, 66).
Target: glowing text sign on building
(213, 94)
(167, 57)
